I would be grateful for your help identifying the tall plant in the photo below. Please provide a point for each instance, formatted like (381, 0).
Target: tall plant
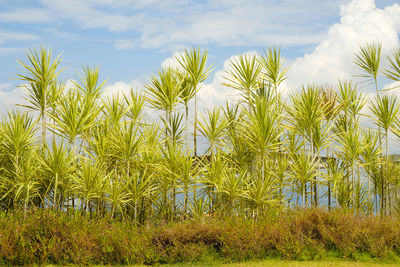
(40, 73)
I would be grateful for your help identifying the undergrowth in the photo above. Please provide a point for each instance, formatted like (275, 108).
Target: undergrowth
(49, 237)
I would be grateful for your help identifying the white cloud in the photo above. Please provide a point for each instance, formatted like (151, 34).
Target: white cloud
(85, 15)
(10, 96)
(16, 36)
(27, 15)
(124, 44)
(122, 88)
(62, 34)
(172, 62)
(11, 36)
(332, 59)
(168, 23)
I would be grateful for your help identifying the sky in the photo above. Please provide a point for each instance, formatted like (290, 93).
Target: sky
(131, 39)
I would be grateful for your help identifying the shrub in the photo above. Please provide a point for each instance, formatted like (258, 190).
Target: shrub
(50, 237)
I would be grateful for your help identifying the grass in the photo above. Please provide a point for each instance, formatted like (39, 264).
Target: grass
(306, 236)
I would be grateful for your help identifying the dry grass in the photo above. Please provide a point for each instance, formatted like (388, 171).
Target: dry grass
(58, 238)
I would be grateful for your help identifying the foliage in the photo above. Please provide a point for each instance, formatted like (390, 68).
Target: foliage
(54, 237)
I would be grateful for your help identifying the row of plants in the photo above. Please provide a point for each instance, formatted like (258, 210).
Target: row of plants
(97, 154)
(55, 237)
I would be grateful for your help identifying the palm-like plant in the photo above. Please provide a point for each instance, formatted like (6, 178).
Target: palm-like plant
(272, 67)
(393, 71)
(261, 131)
(141, 186)
(194, 63)
(125, 145)
(189, 170)
(212, 127)
(329, 99)
(173, 128)
(306, 112)
(350, 151)
(114, 110)
(303, 169)
(163, 91)
(117, 193)
(22, 183)
(74, 117)
(89, 84)
(40, 73)
(136, 104)
(371, 160)
(233, 188)
(386, 111)
(58, 167)
(260, 192)
(18, 135)
(243, 74)
(214, 174)
(89, 184)
(368, 60)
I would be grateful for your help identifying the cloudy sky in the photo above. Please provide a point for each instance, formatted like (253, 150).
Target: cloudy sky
(131, 39)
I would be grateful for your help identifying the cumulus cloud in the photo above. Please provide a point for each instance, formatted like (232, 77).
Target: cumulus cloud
(10, 96)
(172, 62)
(361, 21)
(122, 88)
(332, 59)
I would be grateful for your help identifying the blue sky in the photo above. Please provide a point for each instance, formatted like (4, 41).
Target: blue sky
(130, 39)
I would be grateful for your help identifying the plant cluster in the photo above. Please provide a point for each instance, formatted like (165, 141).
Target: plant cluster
(265, 153)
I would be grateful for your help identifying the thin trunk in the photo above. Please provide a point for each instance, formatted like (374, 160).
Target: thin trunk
(173, 199)
(185, 202)
(135, 211)
(329, 183)
(316, 186)
(352, 185)
(43, 115)
(55, 192)
(195, 126)
(74, 149)
(387, 165)
(381, 169)
(262, 167)
(128, 169)
(249, 96)
(312, 182)
(26, 202)
(112, 211)
(187, 125)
